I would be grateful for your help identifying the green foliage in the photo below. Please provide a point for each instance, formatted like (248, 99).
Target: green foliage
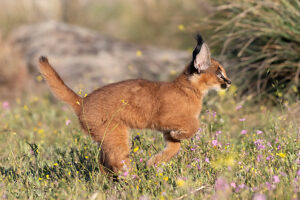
(45, 155)
(263, 37)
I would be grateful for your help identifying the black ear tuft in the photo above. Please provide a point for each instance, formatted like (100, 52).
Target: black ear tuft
(197, 49)
(199, 39)
(191, 68)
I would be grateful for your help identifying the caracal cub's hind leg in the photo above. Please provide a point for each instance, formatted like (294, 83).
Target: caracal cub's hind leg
(115, 148)
(171, 149)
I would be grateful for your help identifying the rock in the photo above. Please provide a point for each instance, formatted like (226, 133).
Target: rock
(84, 57)
(13, 72)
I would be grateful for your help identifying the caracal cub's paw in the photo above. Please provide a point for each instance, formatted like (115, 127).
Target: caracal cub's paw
(154, 160)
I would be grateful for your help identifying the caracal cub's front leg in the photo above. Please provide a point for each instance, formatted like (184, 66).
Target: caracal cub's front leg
(181, 129)
(171, 149)
(187, 129)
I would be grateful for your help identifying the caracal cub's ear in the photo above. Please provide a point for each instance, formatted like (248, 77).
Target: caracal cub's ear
(201, 55)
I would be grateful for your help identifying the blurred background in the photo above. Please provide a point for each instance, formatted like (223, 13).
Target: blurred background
(95, 42)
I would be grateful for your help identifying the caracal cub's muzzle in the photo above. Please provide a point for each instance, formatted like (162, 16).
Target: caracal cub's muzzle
(227, 81)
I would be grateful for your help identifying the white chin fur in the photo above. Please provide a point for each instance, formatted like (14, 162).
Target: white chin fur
(216, 88)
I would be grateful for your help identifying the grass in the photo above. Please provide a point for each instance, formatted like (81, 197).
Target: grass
(241, 151)
(45, 155)
(263, 38)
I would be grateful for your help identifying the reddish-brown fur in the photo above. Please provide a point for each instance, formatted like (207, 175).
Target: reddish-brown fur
(108, 113)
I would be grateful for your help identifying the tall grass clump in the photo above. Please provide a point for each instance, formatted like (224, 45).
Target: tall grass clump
(263, 37)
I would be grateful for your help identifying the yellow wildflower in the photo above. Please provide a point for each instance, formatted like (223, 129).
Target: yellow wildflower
(233, 89)
(39, 78)
(294, 88)
(222, 93)
(135, 149)
(180, 183)
(281, 155)
(26, 107)
(40, 131)
(181, 27)
(139, 53)
(173, 72)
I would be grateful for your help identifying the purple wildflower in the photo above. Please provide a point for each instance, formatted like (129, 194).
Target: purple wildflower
(243, 132)
(269, 158)
(258, 132)
(134, 176)
(214, 114)
(238, 107)
(259, 197)
(144, 198)
(214, 142)
(269, 144)
(64, 108)
(207, 159)
(276, 179)
(159, 170)
(218, 132)
(298, 172)
(5, 105)
(282, 173)
(278, 147)
(221, 184)
(259, 157)
(68, 122)
(198, 167)
(233, 185)
(125, 173)
(242, 119)
(259, 144)
(242, 186)
(269, 186)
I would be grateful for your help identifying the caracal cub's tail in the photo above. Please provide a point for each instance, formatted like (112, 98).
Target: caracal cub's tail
(58, 87)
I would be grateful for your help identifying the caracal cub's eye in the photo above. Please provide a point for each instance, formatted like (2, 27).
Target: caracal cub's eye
(219, 75)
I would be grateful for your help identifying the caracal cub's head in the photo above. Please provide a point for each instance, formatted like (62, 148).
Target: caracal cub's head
(204, 71)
